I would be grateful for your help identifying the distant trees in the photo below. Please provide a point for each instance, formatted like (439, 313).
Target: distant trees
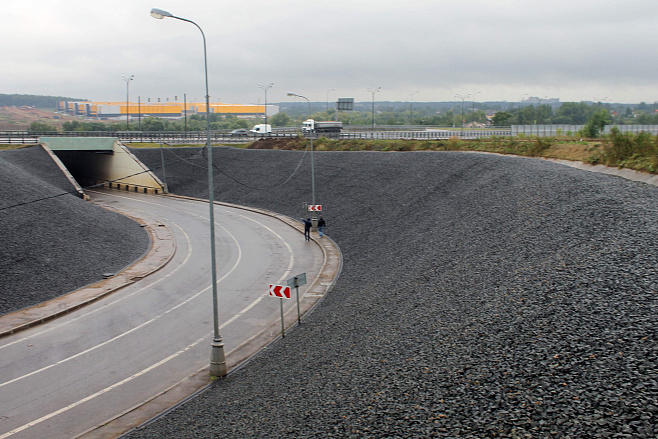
(36, 101)
(76, 125)
(280, 120)
(502, 118)
(41, 126)
(596, 123)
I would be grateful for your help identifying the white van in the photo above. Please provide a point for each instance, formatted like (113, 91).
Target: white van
(261, 129)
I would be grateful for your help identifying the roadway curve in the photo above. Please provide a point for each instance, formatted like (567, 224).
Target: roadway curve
(66, 377)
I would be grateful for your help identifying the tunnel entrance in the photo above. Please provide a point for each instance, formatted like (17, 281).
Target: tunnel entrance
(102, 161)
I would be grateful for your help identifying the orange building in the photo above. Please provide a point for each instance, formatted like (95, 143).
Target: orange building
(173, 110)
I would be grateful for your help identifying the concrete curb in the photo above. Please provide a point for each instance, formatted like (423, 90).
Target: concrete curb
(628, 174)
(163, 248)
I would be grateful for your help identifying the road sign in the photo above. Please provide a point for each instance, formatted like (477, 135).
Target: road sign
(281, 291)
(297, 281)
(345, 104)
(314, 207)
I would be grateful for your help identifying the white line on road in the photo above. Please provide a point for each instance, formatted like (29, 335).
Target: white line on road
(163, 361)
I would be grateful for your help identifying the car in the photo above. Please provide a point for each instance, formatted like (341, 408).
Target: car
(238, 133)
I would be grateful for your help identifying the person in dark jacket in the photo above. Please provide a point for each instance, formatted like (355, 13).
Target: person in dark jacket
(321, 224)
(307, 229)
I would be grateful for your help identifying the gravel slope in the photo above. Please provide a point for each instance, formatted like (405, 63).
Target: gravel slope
(51, 247)
(481, 296)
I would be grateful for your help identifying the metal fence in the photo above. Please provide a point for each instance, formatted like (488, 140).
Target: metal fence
(652, 129)
(417, 133)
(433, 134)
(567, 130)
(545, 130)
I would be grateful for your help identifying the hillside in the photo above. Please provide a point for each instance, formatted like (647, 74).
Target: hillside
(481, 296)
(20, 118)
(60, 243)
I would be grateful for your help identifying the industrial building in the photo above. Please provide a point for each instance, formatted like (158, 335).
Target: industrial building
(172, 110)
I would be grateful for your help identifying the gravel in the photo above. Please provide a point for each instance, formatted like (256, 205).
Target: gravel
(481, 296)
(58, 244)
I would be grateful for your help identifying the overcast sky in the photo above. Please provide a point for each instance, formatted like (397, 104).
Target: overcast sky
(574, 50)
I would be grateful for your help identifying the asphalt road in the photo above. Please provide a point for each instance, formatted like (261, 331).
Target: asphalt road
(65, 377)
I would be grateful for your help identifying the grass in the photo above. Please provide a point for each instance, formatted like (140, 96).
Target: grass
(632, 151)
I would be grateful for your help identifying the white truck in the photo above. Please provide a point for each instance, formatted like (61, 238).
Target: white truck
(261, 129)
(328, 126)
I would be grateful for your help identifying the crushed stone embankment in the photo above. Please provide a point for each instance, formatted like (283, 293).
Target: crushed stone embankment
(481, 296)
(60, 243)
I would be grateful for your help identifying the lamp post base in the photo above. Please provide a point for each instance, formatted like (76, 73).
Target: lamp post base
(217, 359)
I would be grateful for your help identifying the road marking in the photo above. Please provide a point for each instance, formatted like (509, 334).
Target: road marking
(113, 302)
(167, 359)
(103, 391)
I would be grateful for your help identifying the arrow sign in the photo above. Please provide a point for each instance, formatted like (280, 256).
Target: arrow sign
(314, 207)
(281, 291)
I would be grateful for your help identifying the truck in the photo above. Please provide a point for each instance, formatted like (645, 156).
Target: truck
(261, 128)
(327, 126)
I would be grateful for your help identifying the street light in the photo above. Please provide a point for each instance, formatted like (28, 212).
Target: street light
(462, 98)
(373, 104)
(411, 107)
(473, 107)
(128, 79)
(217, 357)
(265, 87)
(311, 137)
(328, 91)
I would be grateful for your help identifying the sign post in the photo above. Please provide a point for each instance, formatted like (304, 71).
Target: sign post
(282, 292)
(314, 218)
(296, 282)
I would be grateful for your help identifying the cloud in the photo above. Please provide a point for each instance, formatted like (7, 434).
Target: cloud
(505, 49)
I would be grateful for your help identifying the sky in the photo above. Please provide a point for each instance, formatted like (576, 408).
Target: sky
(418, 50)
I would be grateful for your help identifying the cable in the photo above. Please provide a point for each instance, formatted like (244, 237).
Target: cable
(201, 153)
(73, 192)
(255, 188)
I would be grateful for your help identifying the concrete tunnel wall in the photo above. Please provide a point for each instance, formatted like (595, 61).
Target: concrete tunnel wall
(103, 161)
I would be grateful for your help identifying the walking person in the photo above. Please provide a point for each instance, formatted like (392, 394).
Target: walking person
(307, 229)
(321, 224)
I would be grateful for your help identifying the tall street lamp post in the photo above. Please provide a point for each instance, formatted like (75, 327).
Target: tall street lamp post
(473, 106)
(329, 91)
(217, 357)
(265, 87)
(373, 104)
(128, 79)
(411, 108)
(462, 98)
(311, 136)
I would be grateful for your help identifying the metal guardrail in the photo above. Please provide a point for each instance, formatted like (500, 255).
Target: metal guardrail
(32, 137)
(350, 132)
(199, 137)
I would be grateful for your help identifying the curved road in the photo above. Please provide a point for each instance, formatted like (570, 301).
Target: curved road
(64, 378)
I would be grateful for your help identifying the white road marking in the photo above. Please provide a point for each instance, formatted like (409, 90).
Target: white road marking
(165, 360)
(112, 302)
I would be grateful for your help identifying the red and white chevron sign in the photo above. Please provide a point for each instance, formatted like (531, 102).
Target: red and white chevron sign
(282, 291)
(314, 207)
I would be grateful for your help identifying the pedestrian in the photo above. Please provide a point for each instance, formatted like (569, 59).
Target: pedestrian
(307, 229)
(321, 224)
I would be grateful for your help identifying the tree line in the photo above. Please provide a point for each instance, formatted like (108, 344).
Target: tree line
(36, 101)
(595, 116)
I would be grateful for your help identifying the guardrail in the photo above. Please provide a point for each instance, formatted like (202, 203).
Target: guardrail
(424, 135)
(199, 137)
(349, 132)
(32, 137)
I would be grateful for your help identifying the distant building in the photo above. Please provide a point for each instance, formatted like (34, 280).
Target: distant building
(542, 101)
(170, 110)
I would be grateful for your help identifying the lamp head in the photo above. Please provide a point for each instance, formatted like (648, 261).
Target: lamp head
(160, 14)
